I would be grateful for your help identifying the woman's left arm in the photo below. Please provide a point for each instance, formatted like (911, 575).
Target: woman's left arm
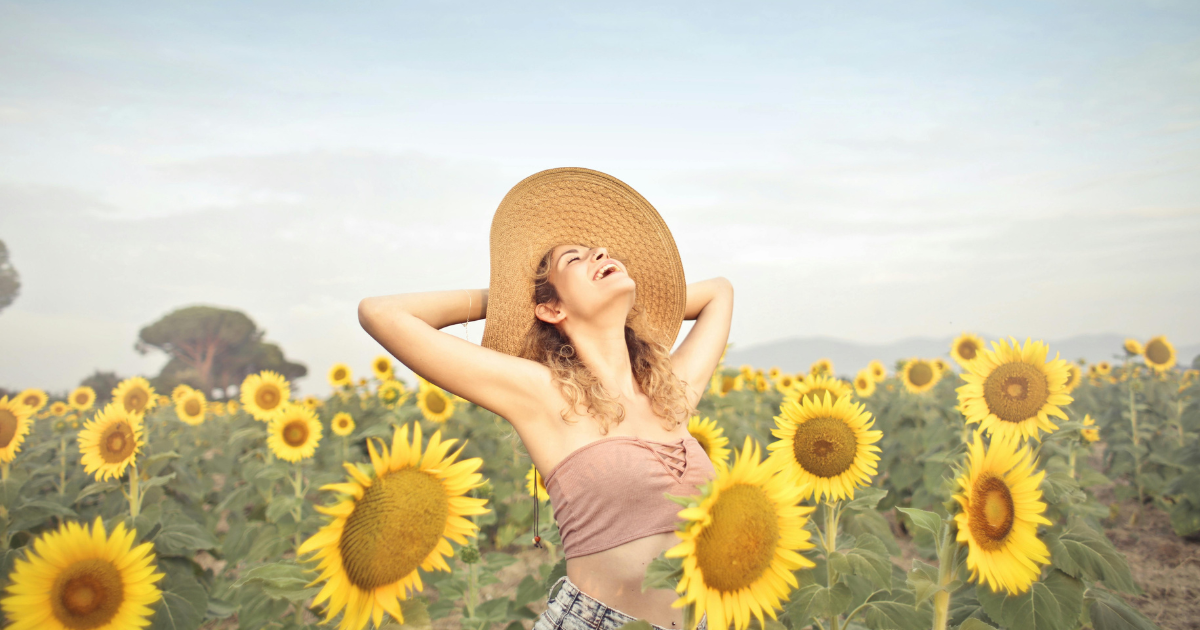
(710, 303)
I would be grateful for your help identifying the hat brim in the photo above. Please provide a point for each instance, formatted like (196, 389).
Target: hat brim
(579, 205)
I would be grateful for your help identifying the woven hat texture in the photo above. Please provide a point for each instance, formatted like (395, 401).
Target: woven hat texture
(578, 205)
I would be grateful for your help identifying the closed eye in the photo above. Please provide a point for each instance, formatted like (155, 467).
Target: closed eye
(572, 260)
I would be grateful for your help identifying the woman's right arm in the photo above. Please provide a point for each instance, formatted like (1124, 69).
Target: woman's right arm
(407, 326)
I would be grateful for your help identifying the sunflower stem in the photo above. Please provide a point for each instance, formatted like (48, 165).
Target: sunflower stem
(298, 511)
(4, 472)
(62, 473)
(831, 525)
(1071, 461)
(135, 499)
(1137, 455)
(941, 599)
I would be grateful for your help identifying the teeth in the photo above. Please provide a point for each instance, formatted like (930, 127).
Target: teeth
(604, 271)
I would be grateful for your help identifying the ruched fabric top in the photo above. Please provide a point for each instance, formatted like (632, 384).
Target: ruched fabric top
(609, 492)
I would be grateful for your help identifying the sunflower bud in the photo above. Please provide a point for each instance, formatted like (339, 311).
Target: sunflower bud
(469, 554)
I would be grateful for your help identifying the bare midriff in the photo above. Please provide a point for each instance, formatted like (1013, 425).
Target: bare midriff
(614, 576)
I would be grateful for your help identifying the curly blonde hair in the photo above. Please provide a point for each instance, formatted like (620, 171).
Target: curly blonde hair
(649, 356)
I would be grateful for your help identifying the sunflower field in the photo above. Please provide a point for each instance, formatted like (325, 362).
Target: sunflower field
(971, 491)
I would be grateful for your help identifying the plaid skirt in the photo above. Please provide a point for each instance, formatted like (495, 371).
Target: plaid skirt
(572, 609)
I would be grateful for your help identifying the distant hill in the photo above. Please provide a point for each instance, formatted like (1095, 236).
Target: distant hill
(797, 354)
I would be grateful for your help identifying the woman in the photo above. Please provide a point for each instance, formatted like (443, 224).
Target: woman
(586, 298)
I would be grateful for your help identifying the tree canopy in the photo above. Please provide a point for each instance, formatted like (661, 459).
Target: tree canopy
(10, 281)
(212, 348)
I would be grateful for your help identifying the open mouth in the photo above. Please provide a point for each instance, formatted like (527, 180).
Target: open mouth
(606, 271)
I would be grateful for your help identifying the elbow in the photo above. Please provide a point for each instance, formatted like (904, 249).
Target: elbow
(366, 313)
(726, 285)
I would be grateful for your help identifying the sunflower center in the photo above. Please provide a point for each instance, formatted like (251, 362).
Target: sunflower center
(1015, 391)
(727, 383)
(295, 433)
(31, 400)
(393, 528)
(8, 427)
(81, 398)
(991, 512)
(339, 374)
(135, 400)
(920, 374)
(381, 366)
(967, 350)
(267, 397)
(434, 402)
(118, 443)
(192, 407)
(1157, 352)
(817, 394)
(390, 394)
(737, 547)
(861, 382)
(824, 447)
(87, 594)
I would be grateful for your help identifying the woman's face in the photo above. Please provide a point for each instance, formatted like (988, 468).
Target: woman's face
(590, 284)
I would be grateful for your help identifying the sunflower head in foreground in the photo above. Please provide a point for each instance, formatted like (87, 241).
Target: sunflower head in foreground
(82, 398)
(722, 384)
(919, 375)
(541, 493)
(712, 438)
(820, 366)
(1014, 389)
(1159, 354)
(1090, 431)
(342, 424)
(1074, 377)
(179, 392)
(293, 435)
(35, 399)
(15, 421)
(191, 407)
(81, 578)
(390, 523)
(1132, 346)
(1001, 509)
(110, 441)
(878, 372)
(340, 376)
(815, 387)
(434, 403)
(135, 394)
(59, 408)
(864, 384)
(264, 394)
(740, 538)
(965, 347)
(382, 367)
(825, 446)
(392, 393)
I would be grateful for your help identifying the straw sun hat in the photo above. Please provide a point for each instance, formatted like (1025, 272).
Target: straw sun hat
(578, 205)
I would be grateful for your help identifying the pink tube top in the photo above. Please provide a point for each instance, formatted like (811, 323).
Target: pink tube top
(609, 492)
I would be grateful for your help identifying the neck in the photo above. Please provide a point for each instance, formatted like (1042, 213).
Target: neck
(604, 351)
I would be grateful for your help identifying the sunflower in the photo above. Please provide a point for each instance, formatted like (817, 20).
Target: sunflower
(864, 384)
(1159, 354)
(919, 375)
(191, 408)
(232, 407)
(1133, 347)
(382, 367)
(76, 578)
(878, 372)
(964, 348)
(392, 393)
(821, 366)
(14, 426)
(1090, 432)
(762, 383)
(136, 394)
(825, 446)
(941, 365)
(434, 404)
(294, 433)
(312, 402)
(82, 398)
(1001, 509)
(180, 391)
(263, 394)
(1074, 377)
(711, 438)
(342, 424)
(1104, 368)
(815, 387)
(773, 373)
(399, 519)
(541, 493)
(339, 375)
(35, 399)
(217, 408)
(740, 538)
(110, 441)
(1014, 390)
(722, 384)
(747, 373)
(59, 408)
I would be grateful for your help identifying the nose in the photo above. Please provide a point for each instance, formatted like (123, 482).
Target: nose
(600, 253)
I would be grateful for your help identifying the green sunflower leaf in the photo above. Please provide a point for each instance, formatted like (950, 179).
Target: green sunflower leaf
(1054, 603)
(926, 521)
(1109, 612)
(1082, 552)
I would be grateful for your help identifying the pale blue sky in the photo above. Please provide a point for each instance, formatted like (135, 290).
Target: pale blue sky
(868, 173)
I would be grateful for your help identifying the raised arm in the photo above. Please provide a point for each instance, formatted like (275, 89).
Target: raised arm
(710, 303)
(407, 326)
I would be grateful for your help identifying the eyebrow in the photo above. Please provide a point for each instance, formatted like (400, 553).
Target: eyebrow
(560, 256)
